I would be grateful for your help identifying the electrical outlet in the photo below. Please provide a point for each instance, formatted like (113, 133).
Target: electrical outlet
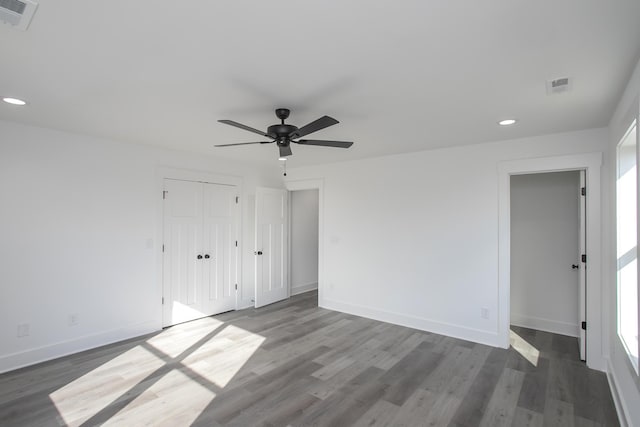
(73, 319)
(484, 312)
(23, 330)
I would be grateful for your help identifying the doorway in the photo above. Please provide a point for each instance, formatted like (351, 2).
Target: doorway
(547, 284)
(317, 186)
(591, 163)
(303, 234)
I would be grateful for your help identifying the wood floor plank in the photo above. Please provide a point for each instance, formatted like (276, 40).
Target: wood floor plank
(444, 409)
(442, 375)
(348, 404)
(407, 375)
(292, 363)
(560, 384)
(475, 401)
(501, 408)
(558, 414)
(415, 409)
(380, 414)
(526, 418)
(534, 388)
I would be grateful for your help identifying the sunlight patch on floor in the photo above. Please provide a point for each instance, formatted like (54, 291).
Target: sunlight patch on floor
(222, 357)
(179, 338)
(205, 356)
(175, 400)
(84, 397)
(525, 349)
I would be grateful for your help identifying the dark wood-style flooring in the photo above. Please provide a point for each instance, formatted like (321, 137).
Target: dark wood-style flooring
(293, 363)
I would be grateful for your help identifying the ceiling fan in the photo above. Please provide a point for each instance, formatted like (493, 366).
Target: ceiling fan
(283, 134)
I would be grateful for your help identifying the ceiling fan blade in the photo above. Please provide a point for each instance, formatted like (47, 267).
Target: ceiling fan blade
(245, 127)
(243, 143)
(337, 144)
(321, 123)
(285, 151)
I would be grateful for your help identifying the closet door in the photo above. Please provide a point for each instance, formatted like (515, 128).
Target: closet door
(182, 263)
(219, 247)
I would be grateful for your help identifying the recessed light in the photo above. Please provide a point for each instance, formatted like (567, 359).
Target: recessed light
(507, 122)
(14, 101)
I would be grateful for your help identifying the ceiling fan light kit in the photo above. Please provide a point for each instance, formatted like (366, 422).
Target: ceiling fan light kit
(284, 134)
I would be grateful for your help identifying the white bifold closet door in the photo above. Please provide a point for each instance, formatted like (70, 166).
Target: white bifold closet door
(200, 250)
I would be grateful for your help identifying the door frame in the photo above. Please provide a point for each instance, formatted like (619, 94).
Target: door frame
(312, 184)
(591, 163)
(165, 172)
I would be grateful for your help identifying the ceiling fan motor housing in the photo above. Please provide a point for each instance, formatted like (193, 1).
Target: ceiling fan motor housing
(281, 131)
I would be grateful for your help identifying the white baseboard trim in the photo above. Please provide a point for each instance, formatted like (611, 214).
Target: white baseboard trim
(553, 326)
(33, 356)
(618, 401)
(300, 289)
(454, 331)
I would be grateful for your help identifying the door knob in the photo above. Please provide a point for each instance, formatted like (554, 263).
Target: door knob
(258, 253)
(207, 256)
(574, 266)
(199, 257)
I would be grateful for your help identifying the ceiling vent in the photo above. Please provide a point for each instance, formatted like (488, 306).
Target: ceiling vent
(560, 85)
(17, 13)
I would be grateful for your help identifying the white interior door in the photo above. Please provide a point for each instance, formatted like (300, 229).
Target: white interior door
(219, 248)
(582, 286)
(199, 253)
(182, 270)
(271, 245)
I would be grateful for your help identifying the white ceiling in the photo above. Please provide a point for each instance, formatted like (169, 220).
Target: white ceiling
(400, 76)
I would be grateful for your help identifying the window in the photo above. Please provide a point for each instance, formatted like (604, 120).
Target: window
(627, 243)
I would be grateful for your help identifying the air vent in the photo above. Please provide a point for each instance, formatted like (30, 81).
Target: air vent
(17, 13)
(560, 85)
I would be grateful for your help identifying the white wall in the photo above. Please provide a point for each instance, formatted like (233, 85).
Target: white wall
(79, 218)
(413, 238)
(621, 374)
(304, 240)
(545, 224)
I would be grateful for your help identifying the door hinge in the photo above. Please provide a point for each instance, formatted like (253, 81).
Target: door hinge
(236, 286)
(162, 300)
(164, 194)
(163, 247)
(236, 243)
(584, 326)
(584, 258)
(583, 191)
(237, 198)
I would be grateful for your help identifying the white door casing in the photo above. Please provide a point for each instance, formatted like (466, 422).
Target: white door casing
(199, 253)
(582, 281)
(271, 243)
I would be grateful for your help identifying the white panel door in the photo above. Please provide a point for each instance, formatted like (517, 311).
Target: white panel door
(219, 247)
(271, 245)
(582, 285)
(182, 270)
(199, 247)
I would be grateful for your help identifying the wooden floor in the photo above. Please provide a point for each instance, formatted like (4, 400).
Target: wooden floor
(294, 364)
